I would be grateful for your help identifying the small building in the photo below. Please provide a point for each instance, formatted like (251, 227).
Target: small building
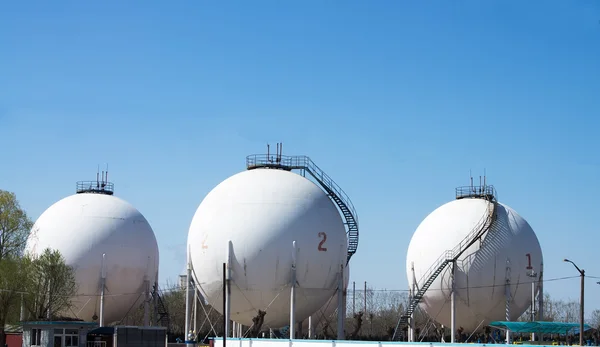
(14, 335)
(56, 333)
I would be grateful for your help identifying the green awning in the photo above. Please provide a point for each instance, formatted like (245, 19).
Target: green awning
(540, 327)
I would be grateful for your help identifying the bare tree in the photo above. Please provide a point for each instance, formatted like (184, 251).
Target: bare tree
(594, 320)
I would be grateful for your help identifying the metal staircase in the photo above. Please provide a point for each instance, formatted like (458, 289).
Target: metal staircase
(335, 193)
(162, 315)
(450, 256)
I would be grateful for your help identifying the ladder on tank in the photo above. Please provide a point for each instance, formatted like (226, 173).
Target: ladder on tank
(161, 314)
(335, 193)
(450, 256)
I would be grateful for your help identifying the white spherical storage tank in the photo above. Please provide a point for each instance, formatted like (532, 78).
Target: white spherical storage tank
(481, 271)
(262, 211)
(86, 226)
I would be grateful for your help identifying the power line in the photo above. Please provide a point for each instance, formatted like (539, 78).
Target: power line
(475, 287)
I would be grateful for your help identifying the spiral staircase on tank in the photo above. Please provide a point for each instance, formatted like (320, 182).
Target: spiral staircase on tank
(485, 192)
(305, 165)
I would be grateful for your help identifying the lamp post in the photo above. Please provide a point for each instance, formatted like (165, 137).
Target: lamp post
(582, 273)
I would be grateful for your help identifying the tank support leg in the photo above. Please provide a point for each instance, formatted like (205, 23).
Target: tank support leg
(452, 305)
(228, 288)
(411, 320)
(341, 305)
(293, 294)
(540, 310)
(507, 296)
(188, 278)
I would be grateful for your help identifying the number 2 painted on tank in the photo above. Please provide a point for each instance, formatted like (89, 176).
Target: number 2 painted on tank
(529, 267)
(321, 248)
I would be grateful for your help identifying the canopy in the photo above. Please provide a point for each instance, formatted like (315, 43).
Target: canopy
(539, 327)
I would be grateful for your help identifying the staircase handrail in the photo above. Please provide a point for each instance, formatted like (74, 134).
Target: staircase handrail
(453, 254)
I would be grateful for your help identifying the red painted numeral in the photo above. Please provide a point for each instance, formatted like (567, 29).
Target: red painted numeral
(529, 267)
(321, 248)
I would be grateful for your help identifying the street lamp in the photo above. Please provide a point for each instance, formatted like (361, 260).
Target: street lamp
(582, 273)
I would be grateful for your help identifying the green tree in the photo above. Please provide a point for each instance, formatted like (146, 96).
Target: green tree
(50, 285)
(15, 226)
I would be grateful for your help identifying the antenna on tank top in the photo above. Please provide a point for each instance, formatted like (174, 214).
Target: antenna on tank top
(471, 177)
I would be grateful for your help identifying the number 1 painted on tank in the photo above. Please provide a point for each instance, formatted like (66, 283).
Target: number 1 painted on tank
(529, 267)
(320, 247)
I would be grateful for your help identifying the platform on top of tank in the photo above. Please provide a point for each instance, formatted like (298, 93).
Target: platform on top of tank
(270, 166)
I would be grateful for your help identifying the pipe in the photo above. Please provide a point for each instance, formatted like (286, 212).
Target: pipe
(188, 278)
(103, 286)
(341, 304)
(228, 287)
(293, 294)
(453, 306)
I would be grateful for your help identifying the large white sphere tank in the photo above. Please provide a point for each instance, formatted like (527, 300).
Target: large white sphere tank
(262, 211)
(85, 226)
(481, 270)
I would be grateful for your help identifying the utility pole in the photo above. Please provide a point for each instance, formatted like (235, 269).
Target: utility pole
(581, 302)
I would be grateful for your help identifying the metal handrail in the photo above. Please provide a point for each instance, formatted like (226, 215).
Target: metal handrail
(485, 191)
(95, 187)
(301, 162)
(452, 255)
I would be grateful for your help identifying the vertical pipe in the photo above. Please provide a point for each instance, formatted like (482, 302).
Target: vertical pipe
(225, 304)
(453, 306)
(532, 304)
(540, 310)
(103, 286)
(188, 308)
(228, 284)
(234, 329)
(341, 303)
(507, 297)
(581, 315)
(310, 327)
(293, 294)
(195, 306)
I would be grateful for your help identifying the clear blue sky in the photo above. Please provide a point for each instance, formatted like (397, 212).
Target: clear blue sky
(396, 101)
